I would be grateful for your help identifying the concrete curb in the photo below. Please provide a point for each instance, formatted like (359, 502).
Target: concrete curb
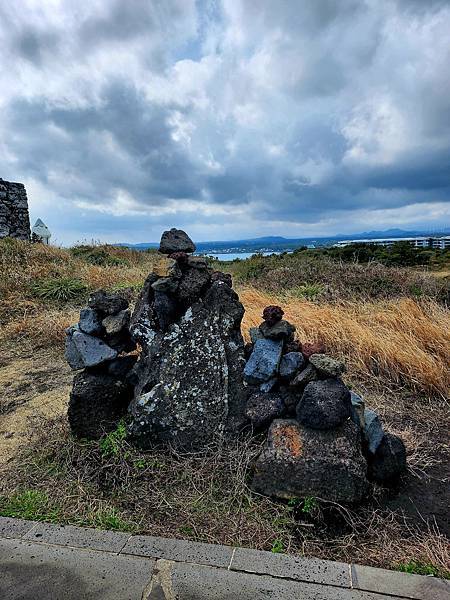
(207, 562)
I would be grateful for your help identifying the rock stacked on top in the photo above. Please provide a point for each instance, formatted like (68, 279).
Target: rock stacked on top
(321, 440)
(96, 346)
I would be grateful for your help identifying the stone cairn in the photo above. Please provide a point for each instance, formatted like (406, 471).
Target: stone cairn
(14, 218)
(322, 441)
(177, 365)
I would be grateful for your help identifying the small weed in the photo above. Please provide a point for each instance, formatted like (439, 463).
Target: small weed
(110, 518)
(308, 291)
(416, 291)
(422, 568)
(111, 443)
(186, 530)
(309, 505)
(32, 505)
(61, 289)
(277, 546)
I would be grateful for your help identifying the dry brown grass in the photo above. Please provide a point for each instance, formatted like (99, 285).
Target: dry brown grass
(401, 341)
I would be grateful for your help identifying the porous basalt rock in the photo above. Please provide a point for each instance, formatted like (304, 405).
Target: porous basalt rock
(327, 366)
(307, 375)
(263, 408)
(324, 404)
(90, 321)
(298, 462)
(290, 364)
(281, 330)
(389, 461)
(176, 240)
(108, 304)
(272, 314)
(14, 217)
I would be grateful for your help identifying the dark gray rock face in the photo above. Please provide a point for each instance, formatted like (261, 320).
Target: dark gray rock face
(300, 462)
(255, 334)
(358, 408)
(308, 374)
(290, 364)
(263, 408)
(324, 404)
(189, 380)
(282, 330)
(14, 218)
(84, 350)
(90, 321)
(373, 430)
(108, 304)
(192, 285)
(176, 240)
(96, 404)
(264, 360)
(114, 324)
(389, 461)
(327, 366)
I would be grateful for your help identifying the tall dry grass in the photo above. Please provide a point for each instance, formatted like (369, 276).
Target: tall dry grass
(401, 340)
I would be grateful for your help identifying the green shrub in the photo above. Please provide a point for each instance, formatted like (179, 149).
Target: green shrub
(308, 291)
(98, 255)
(111, 444)
(277, 546)
(59, 289)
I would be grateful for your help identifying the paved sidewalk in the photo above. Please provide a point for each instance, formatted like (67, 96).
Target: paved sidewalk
(39, 561)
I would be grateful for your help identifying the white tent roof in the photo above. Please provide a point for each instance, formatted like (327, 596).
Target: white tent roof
(41, 229)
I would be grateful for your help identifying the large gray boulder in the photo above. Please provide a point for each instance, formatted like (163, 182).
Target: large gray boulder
(325, 404)
(264, 361)
(189, 387)
(83, 350)
(176, 240)
(299, 462)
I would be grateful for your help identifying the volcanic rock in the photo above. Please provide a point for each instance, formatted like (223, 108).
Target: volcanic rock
(389, 461)
(192, 285)
(290, 364)
(262, 409)
(327, 366)
(84, 350)
(197, 262)
(224, 277)
(268, 386)
(373, 430)
(114, 324)
(108, 304)
(358, 407)
(90, 322)
(272, 314)
(165, 284)
(308, 374)
(176, 240)
(324, 405)
(263, 363)
(255, 334)
(281, 330)
(299, 462)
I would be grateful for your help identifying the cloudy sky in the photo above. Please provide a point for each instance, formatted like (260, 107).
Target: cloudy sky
(229, 118)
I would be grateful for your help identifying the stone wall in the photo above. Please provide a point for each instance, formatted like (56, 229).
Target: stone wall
(14, 218)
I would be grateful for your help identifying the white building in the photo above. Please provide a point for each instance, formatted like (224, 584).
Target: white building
(41, 232)
(440, 243)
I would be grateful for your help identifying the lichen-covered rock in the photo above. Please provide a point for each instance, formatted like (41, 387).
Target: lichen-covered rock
(189, 380)
(263, 408)
(299, 462)
(96, 404)
(264, 361)
(290, 364)
(176, 240)
(281, 330)
(389, 461)
(373, 430)
(305, 376)
(327, 366)
(108, 304)
(84, 350)
(324, 404)
(114, 324)
(90, 321)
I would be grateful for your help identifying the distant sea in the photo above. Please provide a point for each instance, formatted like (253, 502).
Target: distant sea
(240, 255)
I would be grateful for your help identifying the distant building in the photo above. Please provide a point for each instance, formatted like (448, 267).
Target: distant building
(439, 243)
(41, 233)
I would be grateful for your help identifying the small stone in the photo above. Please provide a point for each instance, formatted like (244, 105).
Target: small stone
(255, 334)
(165, 310)
(268, 386)
(389, 461)
(290, 364)
(304, 377)
(272, 314)
(114, 324)
(223, 277)
(324, 405)
(176, 240)
(90, 322)
(197, 262)
(310, 348)
(358, 407)
(167, 285)
(264, 361)
(167, 267)
(108, 304)
(293, 346)
(181, 257)
(282, 330)
(373, 430)
(327, 366)
(84, 350)
(263, 408)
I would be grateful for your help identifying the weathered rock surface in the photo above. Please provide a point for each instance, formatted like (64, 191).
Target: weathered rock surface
(300, 462)
(84, 350)
(109, 304)
(389, 461)
(327, 366)
(290, 364)
(96, 404)
(357, 411)
(263, 408)
(263, 362)
(325, 404)
(268, 386)
(373, 430)
(90, 321)
(310, 348)
(189, 380)
(305, 376)
(14, 218)
(192, 285)
(176, 240)
(114, 324)
(255, 334)
(281, 330)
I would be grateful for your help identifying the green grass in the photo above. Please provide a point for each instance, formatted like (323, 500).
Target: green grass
(277, 546)
(31, 505)
(422, 568)
(111, 444)
(59, 289)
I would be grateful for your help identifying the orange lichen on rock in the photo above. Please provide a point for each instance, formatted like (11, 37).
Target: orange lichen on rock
(287, 436)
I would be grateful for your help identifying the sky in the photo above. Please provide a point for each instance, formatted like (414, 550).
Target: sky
(228, 118)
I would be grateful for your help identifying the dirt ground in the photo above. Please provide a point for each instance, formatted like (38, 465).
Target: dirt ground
(33, 384)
